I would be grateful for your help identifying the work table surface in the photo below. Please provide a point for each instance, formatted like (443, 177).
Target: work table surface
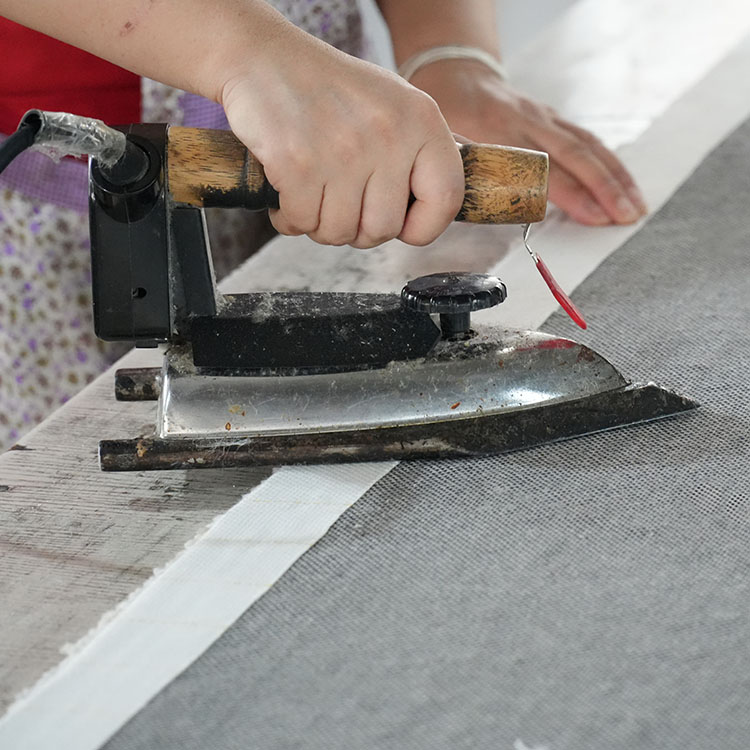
(74, 541)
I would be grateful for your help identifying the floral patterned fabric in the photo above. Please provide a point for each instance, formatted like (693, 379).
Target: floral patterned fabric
(337, 22)
(48, 350)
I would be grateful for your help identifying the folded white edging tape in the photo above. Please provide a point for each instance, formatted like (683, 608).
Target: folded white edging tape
(660, 160)
(142, 645)
(179, 612)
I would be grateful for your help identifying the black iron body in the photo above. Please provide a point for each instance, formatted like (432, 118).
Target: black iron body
(153, 282)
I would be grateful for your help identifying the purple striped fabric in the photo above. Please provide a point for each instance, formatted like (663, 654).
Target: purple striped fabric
(38, 177)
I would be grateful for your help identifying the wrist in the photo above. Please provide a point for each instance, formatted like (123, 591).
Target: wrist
(451, 53)
(254, 40)
(459, 80)
(466, 91)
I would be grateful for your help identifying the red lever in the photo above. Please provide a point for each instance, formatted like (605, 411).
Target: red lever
(565, 302)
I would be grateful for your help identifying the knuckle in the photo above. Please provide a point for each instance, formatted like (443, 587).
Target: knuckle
(608, 185)
(297, 220)
(425, 107)
(534, 111)
(301, 165)
(421, 239)
(575, 150)
(378, 230)
(303, 227)
(347, 148)
(588, 137)
(424, 232)
(351, 141)
(336, 237)
(624, 177)
(282, 225)
(294, 165)
(450, 199)
(375, 238)
(345, 238)
(381, 122)
(362, 242)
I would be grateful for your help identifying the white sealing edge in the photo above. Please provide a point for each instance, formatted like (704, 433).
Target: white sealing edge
(164, 626)
(660, 161)
(169, 622)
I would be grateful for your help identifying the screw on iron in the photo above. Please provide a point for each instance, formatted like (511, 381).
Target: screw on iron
(454, 296)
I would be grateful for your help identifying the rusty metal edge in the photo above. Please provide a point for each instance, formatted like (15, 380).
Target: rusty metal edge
(138, 384)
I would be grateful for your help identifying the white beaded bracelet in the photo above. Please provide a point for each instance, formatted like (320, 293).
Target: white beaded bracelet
(450, 52)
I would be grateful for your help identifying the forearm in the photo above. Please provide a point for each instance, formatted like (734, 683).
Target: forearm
(416, 25)
(189, 44)
(344, 142)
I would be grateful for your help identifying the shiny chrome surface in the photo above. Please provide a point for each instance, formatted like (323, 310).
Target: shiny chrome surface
(494, 371)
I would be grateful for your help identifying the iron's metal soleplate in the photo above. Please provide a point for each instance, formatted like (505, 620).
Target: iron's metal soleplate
(472, 436)
(499, 391)
(494, 371)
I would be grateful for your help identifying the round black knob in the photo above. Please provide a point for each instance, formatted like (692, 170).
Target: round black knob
(454, 295)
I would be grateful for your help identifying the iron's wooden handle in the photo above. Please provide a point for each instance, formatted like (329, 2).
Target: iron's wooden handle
(504, 185)
(212, 168)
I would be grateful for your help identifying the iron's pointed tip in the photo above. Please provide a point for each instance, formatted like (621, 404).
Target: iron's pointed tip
(665, 401)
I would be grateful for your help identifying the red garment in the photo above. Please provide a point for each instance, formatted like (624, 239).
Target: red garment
(38, 72)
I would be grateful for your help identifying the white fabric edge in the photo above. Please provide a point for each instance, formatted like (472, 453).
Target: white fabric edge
(176, 615)
(681, 139)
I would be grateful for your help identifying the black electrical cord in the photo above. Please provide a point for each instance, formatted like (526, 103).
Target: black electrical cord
(19, 141)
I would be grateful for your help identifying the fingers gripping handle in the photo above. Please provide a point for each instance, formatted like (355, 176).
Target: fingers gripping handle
(212, 168)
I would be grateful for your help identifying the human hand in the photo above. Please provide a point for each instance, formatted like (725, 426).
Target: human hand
(587, 181)
(344, 143)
